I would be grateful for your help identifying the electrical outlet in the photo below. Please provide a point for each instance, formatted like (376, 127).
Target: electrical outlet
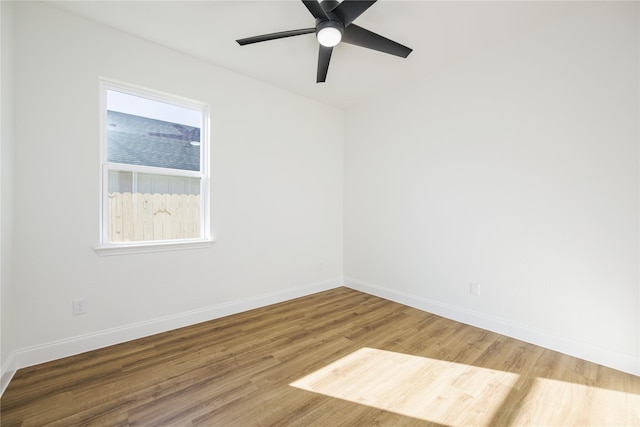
(79, 306)
(474, 289)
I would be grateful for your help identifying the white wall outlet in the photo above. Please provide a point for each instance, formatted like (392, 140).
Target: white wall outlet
(474, 289)
(79, 306)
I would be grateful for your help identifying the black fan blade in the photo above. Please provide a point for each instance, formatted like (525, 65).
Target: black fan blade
(274, 36)
(324, 56)
(314, 7)
(364, 38)
(349, 10)
(329, 5)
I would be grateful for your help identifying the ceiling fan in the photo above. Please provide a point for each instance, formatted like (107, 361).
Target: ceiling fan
(334, 24)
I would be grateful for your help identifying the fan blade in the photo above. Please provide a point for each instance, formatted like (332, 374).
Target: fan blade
(324, 56)
(349, 10)
(364, 38)
(314, 7)
(329, 5)
(274, 36)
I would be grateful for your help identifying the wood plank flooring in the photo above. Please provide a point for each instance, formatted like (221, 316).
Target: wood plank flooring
(336, 358)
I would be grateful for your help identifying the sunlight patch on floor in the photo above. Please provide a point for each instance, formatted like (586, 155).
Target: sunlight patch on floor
(564, 403)
(433, 390)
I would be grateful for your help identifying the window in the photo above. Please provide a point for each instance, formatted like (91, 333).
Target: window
(154, 171)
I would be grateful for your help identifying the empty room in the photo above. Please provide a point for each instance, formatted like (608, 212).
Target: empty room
(304, 213)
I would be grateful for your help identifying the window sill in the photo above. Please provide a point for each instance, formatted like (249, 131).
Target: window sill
(139, 248)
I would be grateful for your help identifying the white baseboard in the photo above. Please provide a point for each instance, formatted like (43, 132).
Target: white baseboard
(602, 356)
(75, 345)
(7, 371)
(67, 347)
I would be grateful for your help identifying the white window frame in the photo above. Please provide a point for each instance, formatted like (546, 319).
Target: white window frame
(117, 248)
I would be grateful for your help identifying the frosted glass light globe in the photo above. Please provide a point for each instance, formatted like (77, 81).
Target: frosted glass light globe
(329, 36)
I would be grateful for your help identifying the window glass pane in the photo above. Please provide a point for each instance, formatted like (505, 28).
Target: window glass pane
(152, 133)
(152, 207)
(133, 182)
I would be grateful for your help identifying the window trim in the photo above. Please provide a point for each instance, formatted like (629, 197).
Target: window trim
(120, 248)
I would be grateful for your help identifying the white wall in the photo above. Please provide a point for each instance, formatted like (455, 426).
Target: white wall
(7, 365)
(276, 192)
(516, 169)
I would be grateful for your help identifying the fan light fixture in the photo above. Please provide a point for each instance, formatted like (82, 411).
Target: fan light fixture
(329, 36)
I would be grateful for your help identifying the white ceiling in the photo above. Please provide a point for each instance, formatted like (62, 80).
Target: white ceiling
(439, 32)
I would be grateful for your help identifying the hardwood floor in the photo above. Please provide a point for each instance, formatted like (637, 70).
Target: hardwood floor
(336, 358)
